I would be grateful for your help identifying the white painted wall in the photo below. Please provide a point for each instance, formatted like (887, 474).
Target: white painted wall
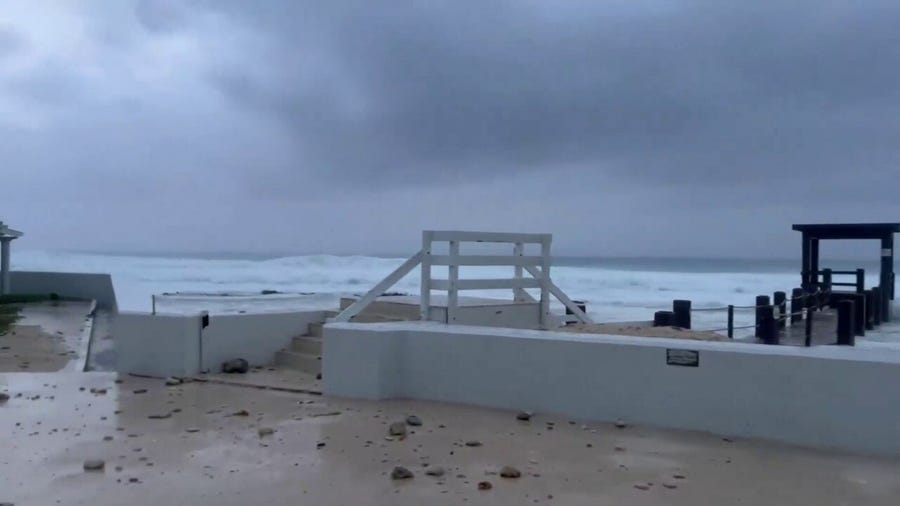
(157, 345)
(175, 345)
(253, 337)
(85, 286)
(824, 396)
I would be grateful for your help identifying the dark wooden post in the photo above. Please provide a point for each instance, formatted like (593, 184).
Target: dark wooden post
(796, 305)
(809, 323)
(663, 319)
(876, 305)
(886, 281)
(870, 309)
(682, 311)
(779, 299)
(761, 302)
(845, 323)
(768, 326)
(804, 274)
(860, 280)
(826, 278)
(859, 316)
(731, 321)
(814, 261)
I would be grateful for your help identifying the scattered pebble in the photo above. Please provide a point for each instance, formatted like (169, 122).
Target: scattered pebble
(435, 471)
(669, 485)
(413, 420)
(192, 429)
(172, 381)
(524, 416)
(107, 438)
(485, 485)
(620, 424)
(397, 429)
(401, 473)
(473, 443)
(679, 476)
(641, 486)
(140, 391)
(4, 396)
(94, 465)
(265, 431)
(242, 412)
(510, 472)
(160, 417)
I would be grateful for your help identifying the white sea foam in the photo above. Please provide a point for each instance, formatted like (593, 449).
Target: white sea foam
(611, 294)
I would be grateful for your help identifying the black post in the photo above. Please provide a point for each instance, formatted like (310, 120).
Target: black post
(826, 285)
(845, 323)
(761, 302)
(876, 305)
(779, 299)
(870, 309)
(731, 321)
(887, 276)
(809, 319)
(682, 311)
(859, 317)
(804, 273)
(663, 319)
(814, 261)
(860, 280)
(796, 305)
(769, 326)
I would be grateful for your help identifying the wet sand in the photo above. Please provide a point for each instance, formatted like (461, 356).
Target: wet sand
(47, 337)
(335, 452)
(640, 329)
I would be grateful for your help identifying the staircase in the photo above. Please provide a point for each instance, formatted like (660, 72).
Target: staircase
(305, 352)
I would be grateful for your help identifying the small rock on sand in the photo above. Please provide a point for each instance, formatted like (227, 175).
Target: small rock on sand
(620, 424)
(4, 396)
(265, 431)
(669, 485)
(242, 412)
(524, 416)
(485, 485)
(413, 420)
(473, 443)
(140, 391)
(401, 473)
(641, 486)
(435, 471)
(192, 429)
(172, 381)
(160, 417)
(510, 472)
(397, 429)
(94, 465)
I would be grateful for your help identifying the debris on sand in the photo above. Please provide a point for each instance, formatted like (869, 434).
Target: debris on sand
(413, 420)
(235, 366)
(242, 412)
(140, 391)
(94, 465)
(173, 381)
(265, 431)
(620, 424)
(160, 417)
(435, 471)
(524, 416)
(669, 485)
(510, 472)
(473, 444)
(485, 485)
(397, 429)
(401, 473)
(4, 396)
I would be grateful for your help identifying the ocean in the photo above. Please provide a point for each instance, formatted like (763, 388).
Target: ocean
(615, 289)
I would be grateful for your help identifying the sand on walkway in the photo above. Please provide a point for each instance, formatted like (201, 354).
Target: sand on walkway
(45, 338)
(201, 444)
(640, 329)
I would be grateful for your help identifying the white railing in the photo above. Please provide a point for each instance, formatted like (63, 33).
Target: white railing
(537, 266)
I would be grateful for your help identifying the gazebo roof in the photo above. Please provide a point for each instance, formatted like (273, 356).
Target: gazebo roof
(849, 230)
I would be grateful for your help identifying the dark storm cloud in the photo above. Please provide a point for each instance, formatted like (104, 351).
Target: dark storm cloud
(718, 92)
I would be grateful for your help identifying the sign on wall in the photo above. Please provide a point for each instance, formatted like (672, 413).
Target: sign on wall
(684, 358)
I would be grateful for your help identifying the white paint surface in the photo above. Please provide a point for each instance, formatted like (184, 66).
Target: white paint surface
(822, 397)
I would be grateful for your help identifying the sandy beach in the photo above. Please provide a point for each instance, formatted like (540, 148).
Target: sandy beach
(45, 338)
(640, 329)
(204, 443)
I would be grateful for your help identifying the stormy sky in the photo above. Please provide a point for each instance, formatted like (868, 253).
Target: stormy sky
(624, 127)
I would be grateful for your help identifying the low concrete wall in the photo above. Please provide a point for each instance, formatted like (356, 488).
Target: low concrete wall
(85, 286)
(825, 396)
(157, 345)
(175, 345)
(253, 337)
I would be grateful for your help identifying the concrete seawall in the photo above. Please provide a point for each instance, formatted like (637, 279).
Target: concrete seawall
(87, 286)
(825, 397)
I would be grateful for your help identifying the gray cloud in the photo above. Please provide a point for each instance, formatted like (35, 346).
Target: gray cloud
(610, 123)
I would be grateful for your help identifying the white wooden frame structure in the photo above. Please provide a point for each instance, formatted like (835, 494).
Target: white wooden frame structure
(538, 266)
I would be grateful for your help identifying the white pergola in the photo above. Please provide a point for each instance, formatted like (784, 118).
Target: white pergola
(7, 235)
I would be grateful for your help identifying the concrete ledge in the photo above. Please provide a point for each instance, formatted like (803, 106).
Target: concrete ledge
(826, 396)
(87, 286)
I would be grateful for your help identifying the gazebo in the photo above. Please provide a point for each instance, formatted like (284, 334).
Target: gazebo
(884, 232)
(7, 235)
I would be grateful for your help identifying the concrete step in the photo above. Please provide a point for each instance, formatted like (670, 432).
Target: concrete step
(314, 329)
(307, 344)
(304, 362)
(331, 314)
